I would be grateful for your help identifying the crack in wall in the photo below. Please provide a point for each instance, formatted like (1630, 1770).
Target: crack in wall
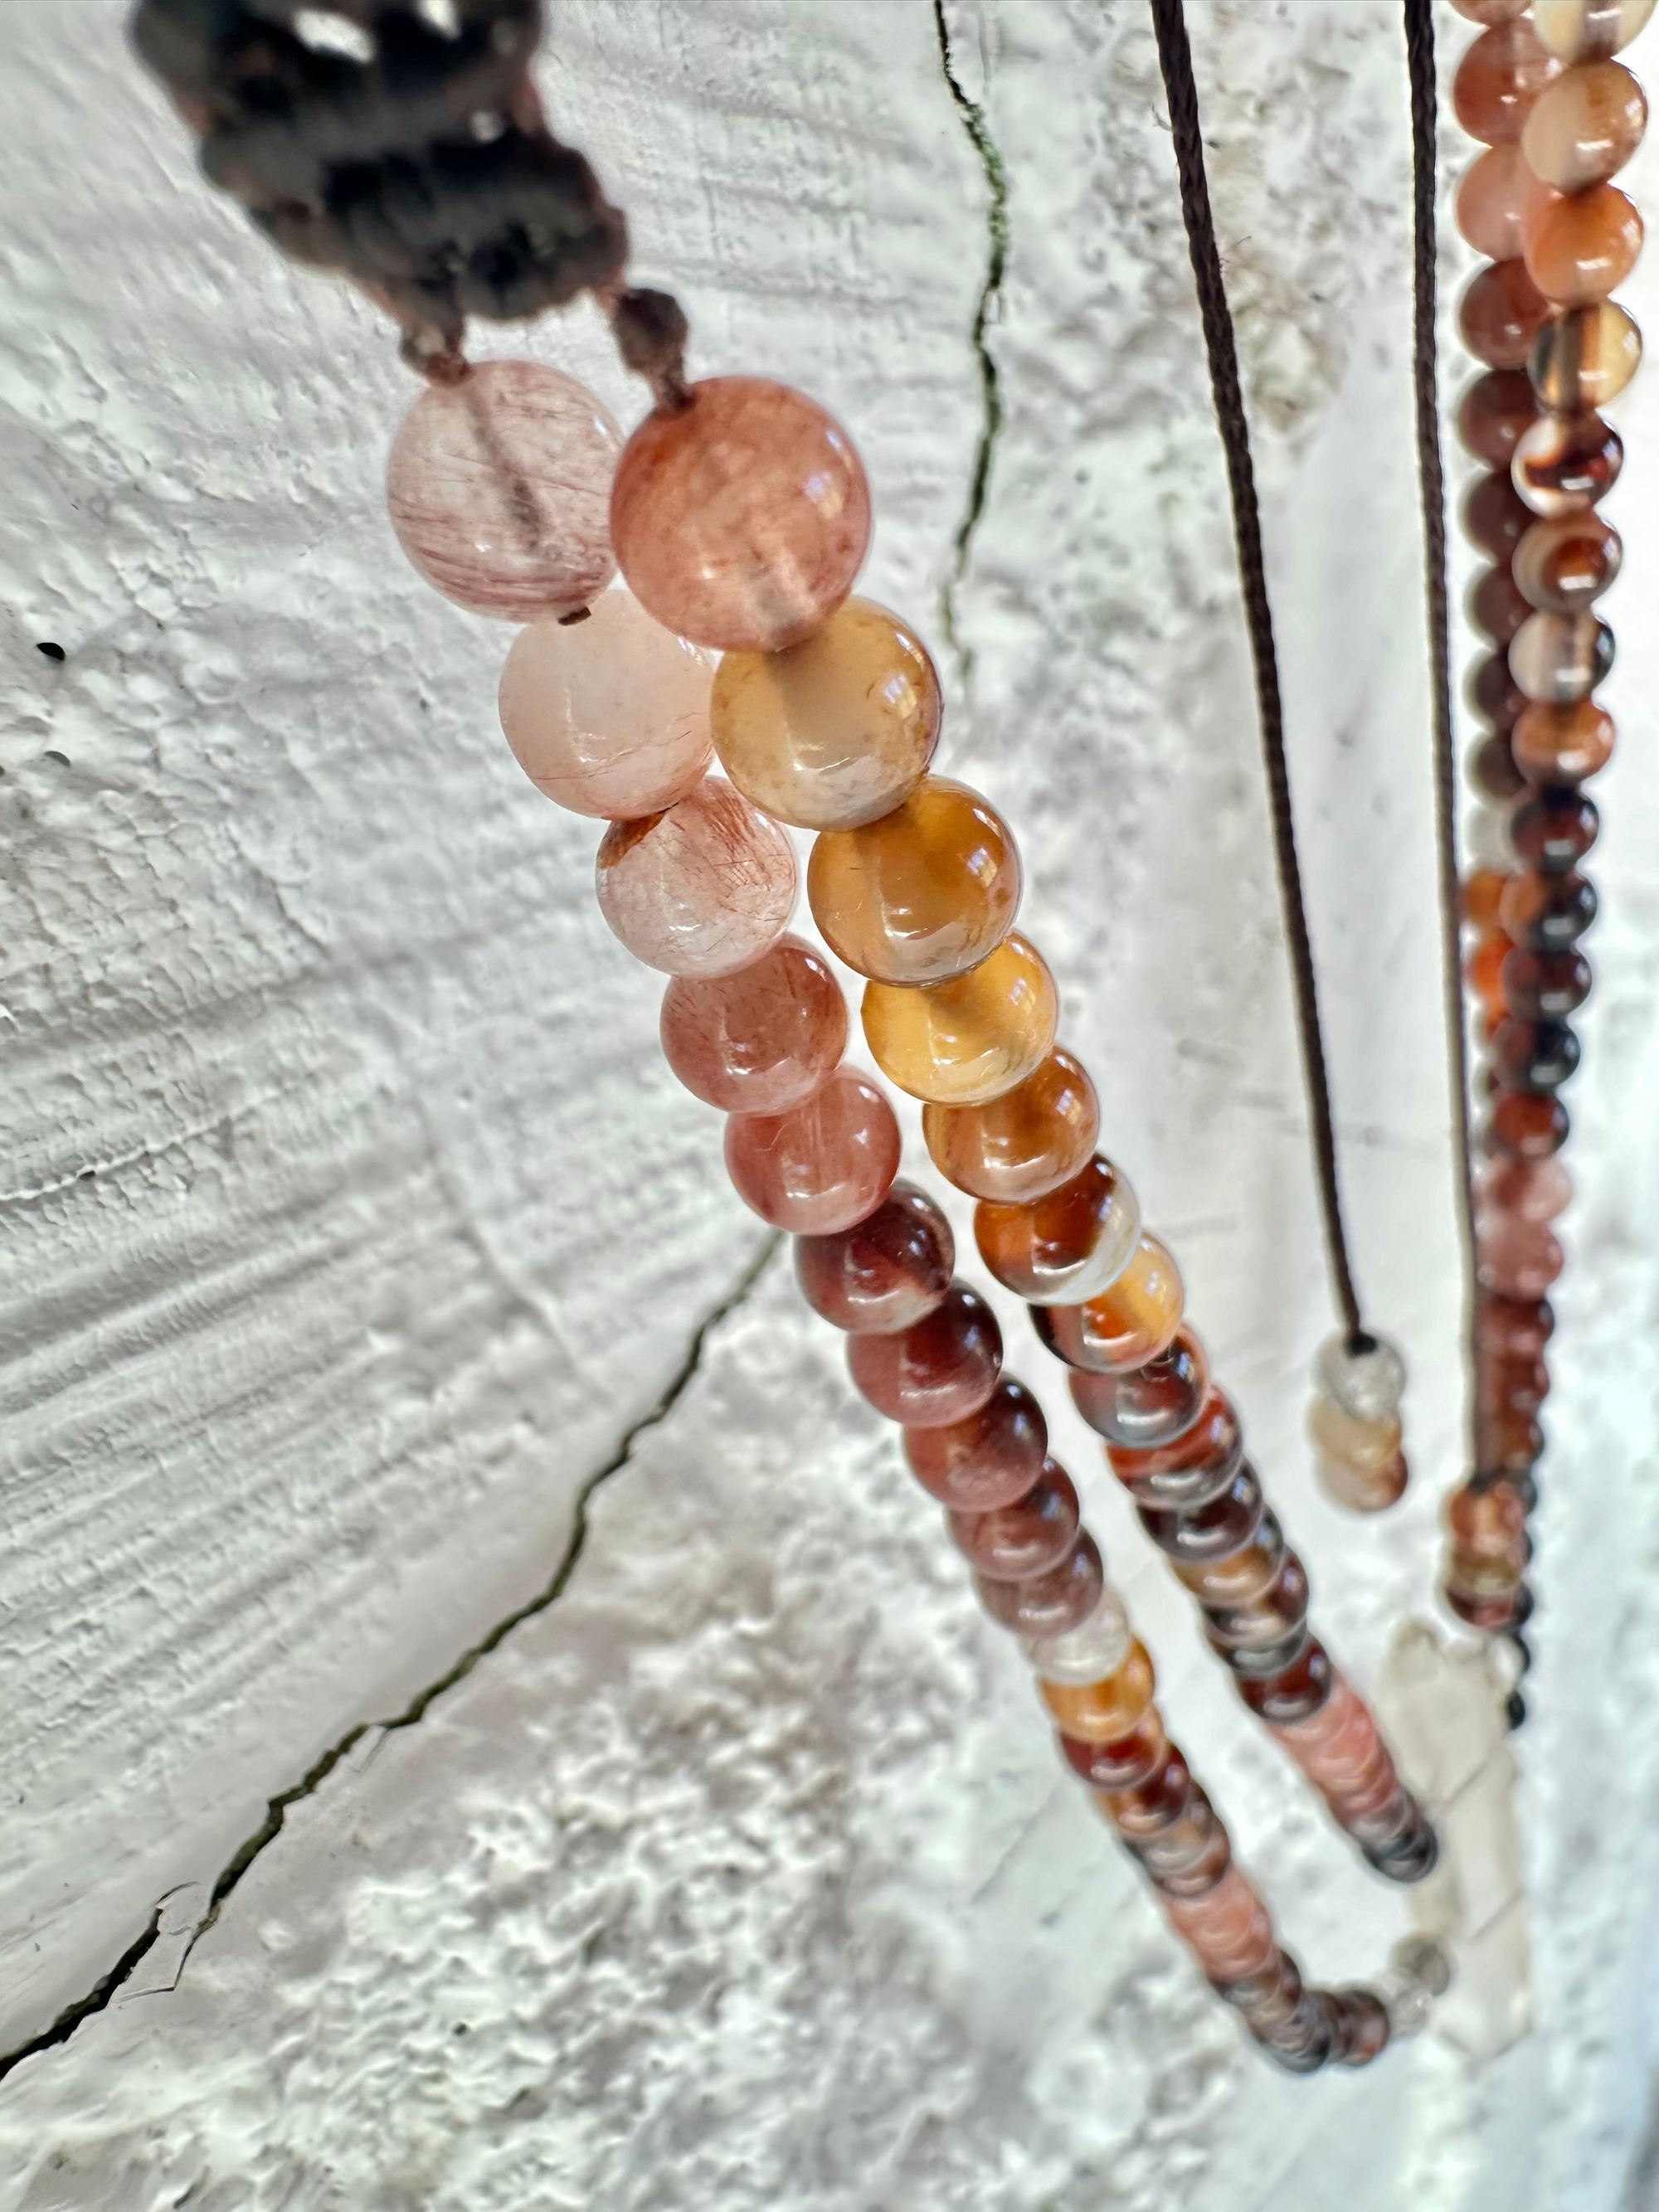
(976, 124)
(110, 1984)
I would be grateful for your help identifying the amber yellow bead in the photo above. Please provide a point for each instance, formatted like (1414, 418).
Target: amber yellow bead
(925, 893)
(1107, 1710)
(1023, 1145)
(962, 1042)
(1135, 1321)
(836, 730)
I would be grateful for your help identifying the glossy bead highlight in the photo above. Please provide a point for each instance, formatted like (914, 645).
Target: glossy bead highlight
(1023, 1145)
(822, 1166)
(702, 888)
(1584, 127)
(1068, 1246)
(969, 1040)
(762, 1039)
(937, 1372)
(886, 1272)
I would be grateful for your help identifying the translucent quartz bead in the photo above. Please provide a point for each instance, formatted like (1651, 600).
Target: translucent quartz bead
(1582, 357)
(822, 1166)
(1012, 1543)
(962, 1042)
(762, 1039)
(1498, 79)
(1526, 1125)
(939, 1370)
(1494, 411)
(1580, 247)
(1496, 604)
(1547, 985)
(1589, 30)
(1023, 1145)
(1102, 1710)
(1367, 1383)
(741, 519)
(1563, 567)
(989, 1459)
(1564, 745)
(885, 1273)
(1499, 313)
(1517, 1258)
(1048, 1605)
(1495, 516)
(924, 894)
(1536, 1190)
(1496, 201)
(702, 888)
(833, 732)
(1548, 913)
(609, 716)
(1125, 1326)
(1559, 659)
(1533, 1055)
(1191, 1470)
(1149, 1407)
(1096, 1647)
(1585, 126)
(499, 489)
(1067, 1247)
(1567, 462)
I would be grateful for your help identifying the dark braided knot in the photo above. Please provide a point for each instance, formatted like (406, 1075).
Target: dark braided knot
(400, 141)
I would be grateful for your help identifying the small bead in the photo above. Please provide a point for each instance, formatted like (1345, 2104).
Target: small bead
(1364, 1489)
(987, 1460)
(1228, 1930)
(1517, 1259)
(1496, 201)
(703, 888)
(1589, 30)
(1096, 1647)
(1049, 1604)
(885, 1273)
(499, 489)
(1564, 744)
(1486, 1524)
(1582, 357)
(1585, 126)
(762, 1039)
(1514, 1328)
(1023, 1145)
(1495, 516)
(1499, 314)
(1133, 1322)
(1366, 1380)
(1125, 1765)
(1485, 969)
(741, 519)
(1478, 902)
(1518, 1386)
(1566, 463)
(1579, 247)
(609, 716)
(1493, 412)
(1150, 1405)
(1189, 1472)
(1492, 768)
(1548, 914)
(1496, 604)
(1558, 660)
(938, 1371)
(1012, 1543)
(922, 894)
(971, 1040)
(1214, 1531)
(1238, 1578)
(822, 1166)
(1563, 567)
(1545, 986)
(1295, 1695)
(1337, 1435)
(1498, 79)
(1533, 1055)
(1537, 1191)
(1103, 1711)
(1067, 1247)
(1526, 1125)
(1164, 1799)
(1245, 1635)
(1363, 2027)
(1493, 692)
(834, 732)
(1422, 1959)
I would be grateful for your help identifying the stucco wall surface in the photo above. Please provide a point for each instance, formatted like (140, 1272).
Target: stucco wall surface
(486, 1721)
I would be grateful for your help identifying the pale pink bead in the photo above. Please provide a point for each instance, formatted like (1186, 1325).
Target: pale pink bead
(702, 888)
(1532, 1190)
(1228, 1929)
(762, 1040)
(1517, 1258)
(821, 1167)
(609, 716)
(741, 519)
(499, 488)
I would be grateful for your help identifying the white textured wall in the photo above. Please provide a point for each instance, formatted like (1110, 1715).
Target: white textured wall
(350, 1232)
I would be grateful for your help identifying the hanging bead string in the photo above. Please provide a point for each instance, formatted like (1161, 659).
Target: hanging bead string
(1559, 117)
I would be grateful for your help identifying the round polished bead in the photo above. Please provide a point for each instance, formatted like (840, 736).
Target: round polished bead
(924, 894)
(885, 1272)
(1295, 1695)
(1563, 567)
(1493, 412)
(1545, 986)
(1151, 1807)
(1555, 829)
(1134, 1322)
(1211, 1531)
(1492, 768)
(1023, 1145)
(1589, 30)
(1366, 1380)
(1533, 1055)
(1067, 1247)
(1582, 357)
(1508, 1442)
(1337, 1435)
(1563, 744)
(1228, 1930)
(499, 490)
(939, 1370)
(1493, 692)
(1566, 463)
(1479, 903)
(1495, 200)
(1151, 1405)
(1585, 126)
(1514, 1385)
(762, 1039)
(1526, 1125)
(1241, 1578)
(1513, 1328)
(1096, 1647)
(1549, 914)
(971, 1040)
(1188, 1472)
(1499, 313)
(836, 730)
(1049, 1604)
(986, 1460)
(1486, 1524)
(1498, 79)
(822, 1166)
(1250, 1635)
(1012, 1543)
(1103, 1711)
(1517, 1258)
(1496, 605)
(608, 716)
(1495, 516)
(1536, 1190)
(1580, 247)
(1132, 1759)
(1559, 659)
(702, 888)
(742, 518)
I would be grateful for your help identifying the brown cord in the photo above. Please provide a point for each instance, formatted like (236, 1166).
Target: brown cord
(1175, 59)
